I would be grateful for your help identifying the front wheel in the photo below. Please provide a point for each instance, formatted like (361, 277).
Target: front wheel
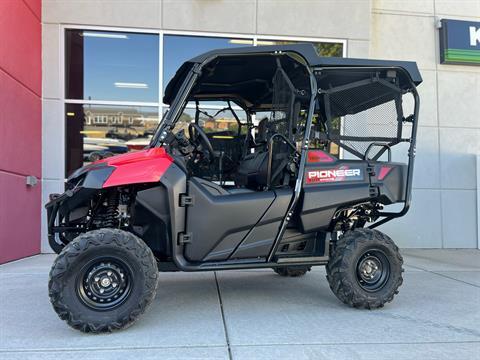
(103, 280)
(365, 269)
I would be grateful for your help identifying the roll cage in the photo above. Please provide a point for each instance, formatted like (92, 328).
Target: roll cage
(331, 88)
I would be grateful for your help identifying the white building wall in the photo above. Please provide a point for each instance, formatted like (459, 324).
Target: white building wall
(444, 200)
(444, 211)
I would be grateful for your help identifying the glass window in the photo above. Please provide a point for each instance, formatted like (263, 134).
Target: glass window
(322, 48)
(104, 66)
(94, 131)
(178, 48)
(113, 66)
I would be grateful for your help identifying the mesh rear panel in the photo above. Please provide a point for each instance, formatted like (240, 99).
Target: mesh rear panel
(369, 116)
(377, 122)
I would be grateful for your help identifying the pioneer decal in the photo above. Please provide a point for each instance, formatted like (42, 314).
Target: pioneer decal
(333, 175)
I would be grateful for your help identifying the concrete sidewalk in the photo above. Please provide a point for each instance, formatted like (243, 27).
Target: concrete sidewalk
(259, 315)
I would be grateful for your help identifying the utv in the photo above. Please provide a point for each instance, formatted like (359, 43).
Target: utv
(298, 174)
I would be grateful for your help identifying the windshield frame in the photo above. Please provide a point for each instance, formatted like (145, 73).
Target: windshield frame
(176, 108)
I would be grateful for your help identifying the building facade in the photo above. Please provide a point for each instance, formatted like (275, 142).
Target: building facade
(20, 128)
(89, 102)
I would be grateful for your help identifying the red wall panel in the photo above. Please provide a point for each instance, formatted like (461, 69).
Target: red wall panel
(20, 127)
(35, 6)
(19, 218)
(20, 45)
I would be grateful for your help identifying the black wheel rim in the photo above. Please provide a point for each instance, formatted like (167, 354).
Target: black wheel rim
(373, 270)
(104, 284)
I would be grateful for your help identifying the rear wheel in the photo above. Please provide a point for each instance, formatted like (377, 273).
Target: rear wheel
(292, 271)
(103, 280)
(365, 269)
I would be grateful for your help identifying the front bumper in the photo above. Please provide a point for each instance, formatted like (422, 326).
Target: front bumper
(52, 207)
(58, 212)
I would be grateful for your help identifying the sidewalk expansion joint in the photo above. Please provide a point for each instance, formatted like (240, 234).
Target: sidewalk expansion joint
(446, 276)
(223, 317)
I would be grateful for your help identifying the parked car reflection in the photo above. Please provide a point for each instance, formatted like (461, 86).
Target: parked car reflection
(96, 148)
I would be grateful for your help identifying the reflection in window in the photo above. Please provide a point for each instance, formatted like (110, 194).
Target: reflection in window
(214, 119)
(111, 66)
(322, 48)
(226, 128)
(96, 131)
(124, 67)
(178, 48)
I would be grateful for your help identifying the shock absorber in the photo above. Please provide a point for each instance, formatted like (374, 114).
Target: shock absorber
(112, 210)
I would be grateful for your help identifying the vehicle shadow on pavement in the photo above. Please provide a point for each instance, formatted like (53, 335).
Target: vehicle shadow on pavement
(257, 286)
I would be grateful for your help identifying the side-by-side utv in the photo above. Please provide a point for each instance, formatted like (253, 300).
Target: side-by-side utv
(268, 157)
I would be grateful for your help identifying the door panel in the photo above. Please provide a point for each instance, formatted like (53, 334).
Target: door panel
(214, 218)
(260, 240)
(19, 217)
(226, 246)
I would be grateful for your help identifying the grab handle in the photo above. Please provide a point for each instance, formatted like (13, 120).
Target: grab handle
(382, 146)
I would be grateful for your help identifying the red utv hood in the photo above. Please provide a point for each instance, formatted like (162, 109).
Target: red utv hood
(137, 167)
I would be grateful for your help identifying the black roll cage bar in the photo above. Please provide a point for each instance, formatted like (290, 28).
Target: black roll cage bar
(178, 104)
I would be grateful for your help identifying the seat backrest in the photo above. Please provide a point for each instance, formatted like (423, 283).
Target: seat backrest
(261, 137)
(252, 171)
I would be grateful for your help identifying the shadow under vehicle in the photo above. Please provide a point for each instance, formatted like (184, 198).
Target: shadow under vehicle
(267, 192)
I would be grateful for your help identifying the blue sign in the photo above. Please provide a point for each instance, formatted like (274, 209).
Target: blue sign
(460, 42)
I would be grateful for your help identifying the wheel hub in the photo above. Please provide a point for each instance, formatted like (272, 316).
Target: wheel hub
(373, 270)
(106, 281)
(369, 268)
(104, 284)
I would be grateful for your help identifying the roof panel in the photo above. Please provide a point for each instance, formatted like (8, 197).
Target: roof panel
(306, 50)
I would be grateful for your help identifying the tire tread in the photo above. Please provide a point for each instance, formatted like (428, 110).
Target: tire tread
(80, 245)
(339, 269)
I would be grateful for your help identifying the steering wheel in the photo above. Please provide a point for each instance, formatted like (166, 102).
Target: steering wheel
(198, 137)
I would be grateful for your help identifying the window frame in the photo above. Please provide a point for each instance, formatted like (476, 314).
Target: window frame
(161, 107)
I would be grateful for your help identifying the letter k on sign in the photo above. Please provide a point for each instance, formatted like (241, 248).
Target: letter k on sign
(474, 35)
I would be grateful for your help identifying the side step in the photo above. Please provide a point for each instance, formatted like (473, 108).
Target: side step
(312, 259)
(256, 263)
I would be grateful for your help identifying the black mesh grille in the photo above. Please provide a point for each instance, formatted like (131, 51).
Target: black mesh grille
(372, 113)
(355, 99)
(378, 124)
